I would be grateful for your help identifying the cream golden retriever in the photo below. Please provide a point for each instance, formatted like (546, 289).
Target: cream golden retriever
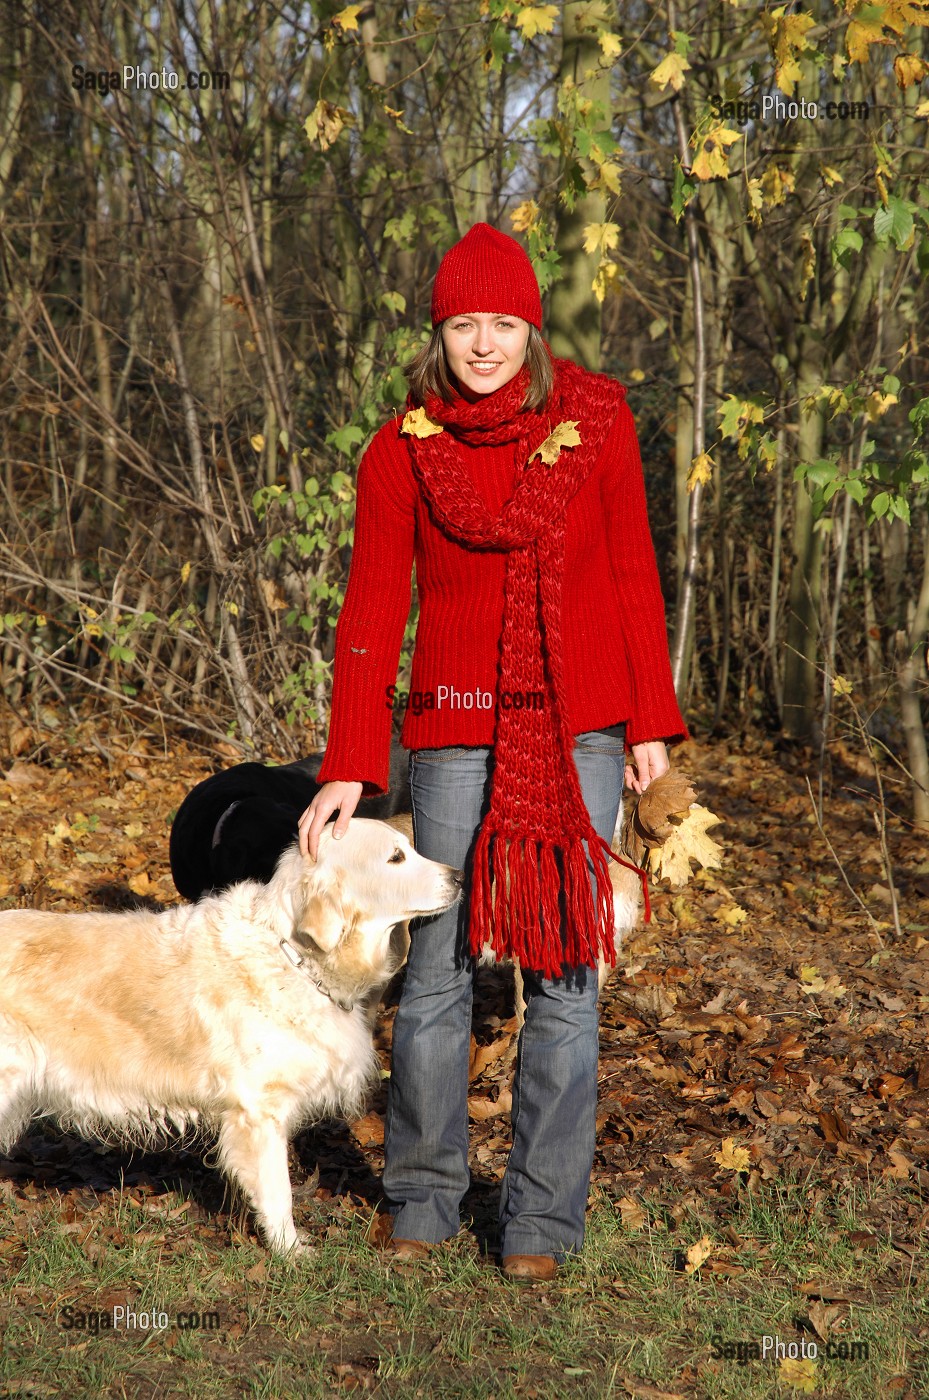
(242, 1016)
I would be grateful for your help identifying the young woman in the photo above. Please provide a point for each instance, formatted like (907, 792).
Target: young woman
(515, 484)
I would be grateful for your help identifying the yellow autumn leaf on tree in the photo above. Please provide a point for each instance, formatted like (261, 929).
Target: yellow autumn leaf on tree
(425, 18)
(841, 685)
(712, 158)
(610, 45)
(787, 75)
(565, 435)
(830, 175)
(325, 122)
(698, 1254)
(608, 177)
(416, 424)
(734, 1159)
(701, 471)
(909, 69)
(859, 37)
(786, 33)
(606, 278)
(258, 441)
(670, 70)
(923, 109)
(185, 571)
(897, 14)
(776, 185)
(396, 113)
(347, 18)
(877, 405)
(536, 19)
(600, 238)
(799, 1375)
(525, 216)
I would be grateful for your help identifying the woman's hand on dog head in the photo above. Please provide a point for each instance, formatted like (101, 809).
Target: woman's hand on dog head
(332, 797)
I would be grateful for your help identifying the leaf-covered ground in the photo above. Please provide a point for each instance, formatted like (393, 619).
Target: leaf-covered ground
(762, 1031)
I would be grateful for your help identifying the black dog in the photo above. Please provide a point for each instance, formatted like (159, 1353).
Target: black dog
(234, 825)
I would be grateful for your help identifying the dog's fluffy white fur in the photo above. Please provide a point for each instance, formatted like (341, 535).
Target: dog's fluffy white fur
(627, 897)
(129, 1024)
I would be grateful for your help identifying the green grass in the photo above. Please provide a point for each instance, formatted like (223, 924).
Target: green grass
(620, 1319)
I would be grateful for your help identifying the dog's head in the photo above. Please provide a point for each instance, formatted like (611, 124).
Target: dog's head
(344, 905)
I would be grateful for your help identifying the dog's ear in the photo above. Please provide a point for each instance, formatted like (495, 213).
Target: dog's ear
(321, 920)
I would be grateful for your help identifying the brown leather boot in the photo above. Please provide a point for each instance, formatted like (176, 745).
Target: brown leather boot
(529, 1268)
(380, 1233)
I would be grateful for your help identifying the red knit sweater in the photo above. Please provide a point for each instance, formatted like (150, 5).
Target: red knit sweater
(614, 638)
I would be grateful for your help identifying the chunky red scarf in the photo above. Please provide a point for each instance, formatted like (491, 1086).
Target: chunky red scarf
(530, 848)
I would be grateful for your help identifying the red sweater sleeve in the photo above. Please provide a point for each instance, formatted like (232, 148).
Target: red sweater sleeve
(370, 629)
(655, 712)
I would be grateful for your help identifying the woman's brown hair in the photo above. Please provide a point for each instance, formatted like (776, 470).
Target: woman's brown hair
(428, 371)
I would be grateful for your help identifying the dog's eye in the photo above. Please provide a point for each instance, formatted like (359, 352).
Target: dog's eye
(397, 858)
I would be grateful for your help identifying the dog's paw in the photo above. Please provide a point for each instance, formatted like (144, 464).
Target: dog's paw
(299, 1251)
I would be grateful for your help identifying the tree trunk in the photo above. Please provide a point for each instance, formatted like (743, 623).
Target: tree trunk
(803, 621)
(575, 316)
(912, 671)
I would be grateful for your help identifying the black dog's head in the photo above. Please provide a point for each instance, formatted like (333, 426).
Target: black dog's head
(234, 825)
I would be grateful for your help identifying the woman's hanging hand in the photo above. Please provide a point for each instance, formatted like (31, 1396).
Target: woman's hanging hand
(649, 761)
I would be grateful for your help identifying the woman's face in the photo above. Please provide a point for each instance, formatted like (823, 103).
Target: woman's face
(484, 351)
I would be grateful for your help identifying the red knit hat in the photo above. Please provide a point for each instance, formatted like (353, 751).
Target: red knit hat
(487, 271)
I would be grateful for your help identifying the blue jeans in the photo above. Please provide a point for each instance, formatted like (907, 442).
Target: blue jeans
(544, 1194)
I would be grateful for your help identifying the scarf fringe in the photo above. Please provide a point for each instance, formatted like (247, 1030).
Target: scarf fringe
(516, 886)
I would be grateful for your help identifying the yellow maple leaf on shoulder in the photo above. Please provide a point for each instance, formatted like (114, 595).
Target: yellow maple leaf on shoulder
(565, 435)
(416, 424)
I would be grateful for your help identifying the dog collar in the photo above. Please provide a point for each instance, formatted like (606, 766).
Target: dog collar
(297, 960)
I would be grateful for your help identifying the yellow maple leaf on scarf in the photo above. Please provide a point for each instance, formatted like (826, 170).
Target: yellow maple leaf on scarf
(565, 435)
(416, 424)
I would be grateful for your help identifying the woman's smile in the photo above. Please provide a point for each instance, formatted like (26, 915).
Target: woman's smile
(485, 351)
